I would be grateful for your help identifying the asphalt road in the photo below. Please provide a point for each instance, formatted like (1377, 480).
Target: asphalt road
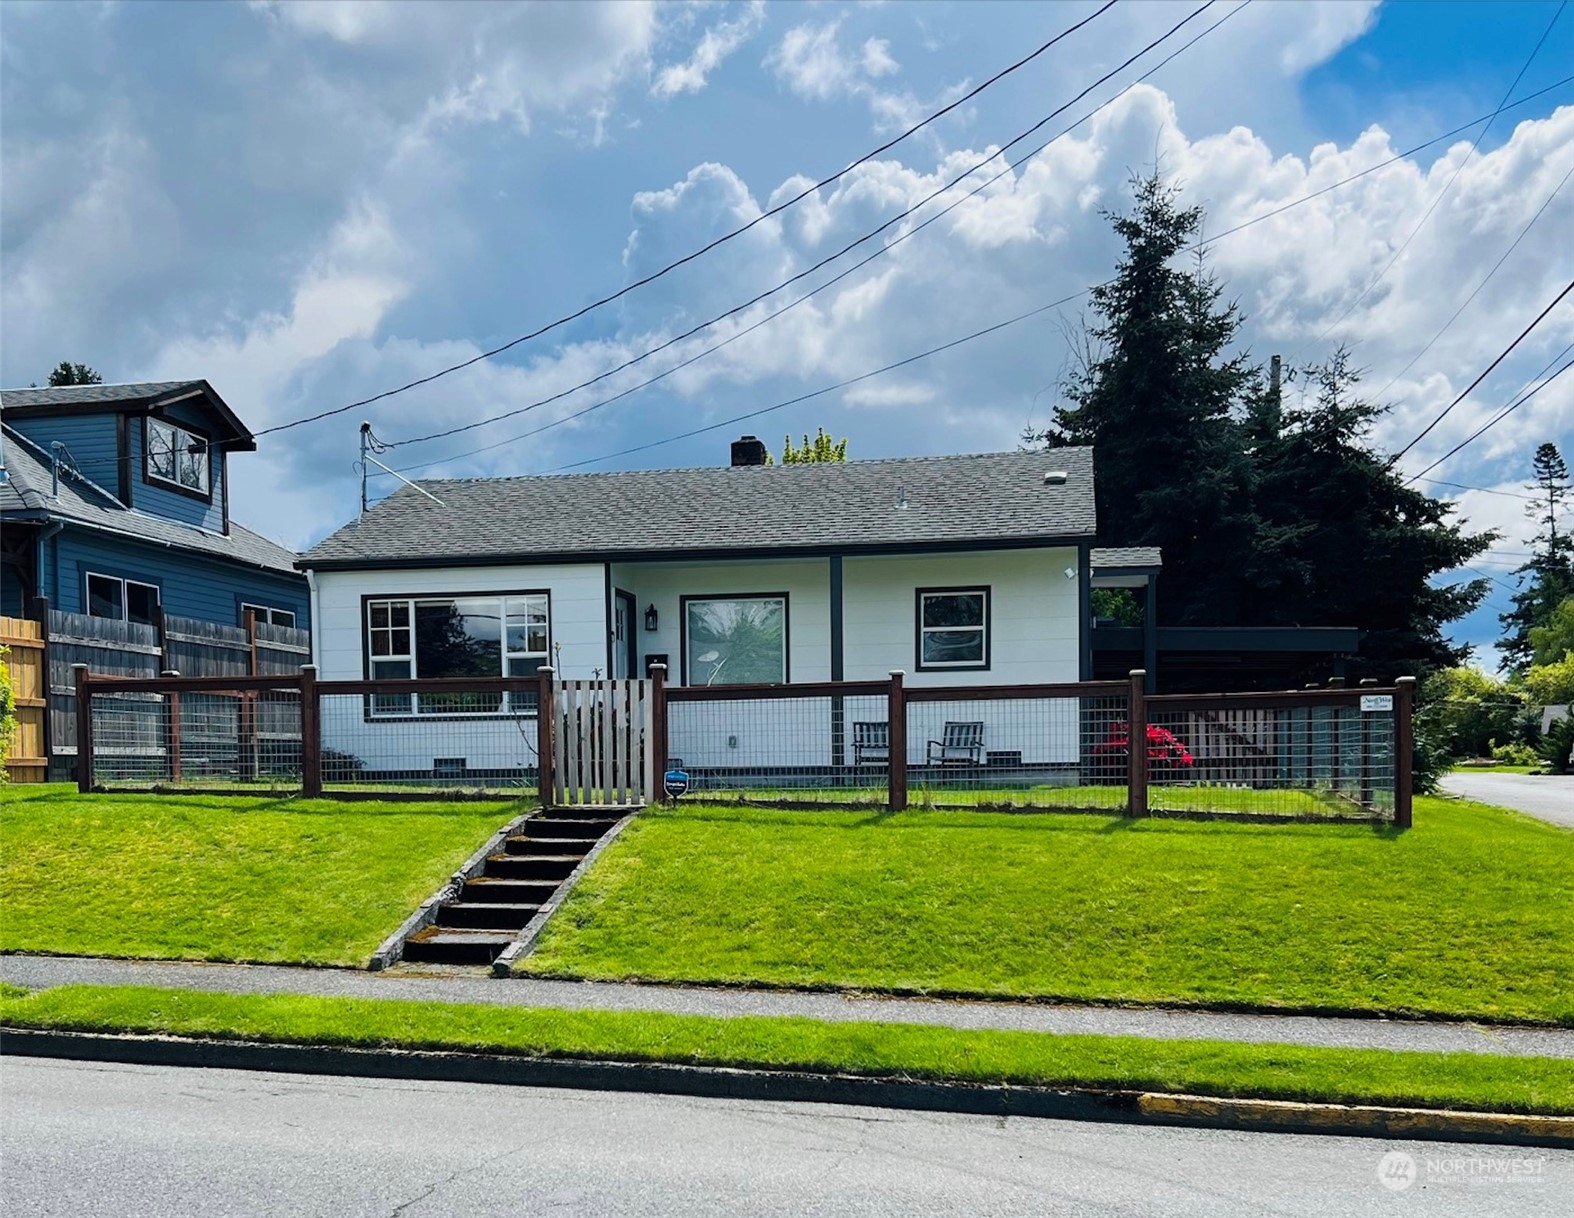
(1548, 796)
(154, 1142)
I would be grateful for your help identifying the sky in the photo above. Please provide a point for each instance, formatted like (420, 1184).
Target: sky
(310, 204)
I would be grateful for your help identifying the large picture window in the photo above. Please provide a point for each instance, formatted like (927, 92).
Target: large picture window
(178, 456)
(953, 628)
(123, 600)
(455, 637)
(735, 640)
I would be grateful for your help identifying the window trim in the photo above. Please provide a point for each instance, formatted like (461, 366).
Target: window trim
(505, 711)
(683, 627)
(163, 483)
(125, 609)
(265, 614)
(987, 591)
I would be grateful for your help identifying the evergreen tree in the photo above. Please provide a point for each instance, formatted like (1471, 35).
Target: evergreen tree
(67, 373)
(1343, 541)
(1548, 578)
(1156, 396)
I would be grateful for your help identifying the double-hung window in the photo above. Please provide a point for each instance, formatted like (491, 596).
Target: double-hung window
(455, 637)
(735, 640)
(123, 600)
(953, 628)
(178, 456)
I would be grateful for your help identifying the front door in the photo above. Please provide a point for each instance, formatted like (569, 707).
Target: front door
(624, 663)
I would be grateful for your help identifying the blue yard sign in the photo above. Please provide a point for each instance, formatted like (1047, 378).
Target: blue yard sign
(675, 783)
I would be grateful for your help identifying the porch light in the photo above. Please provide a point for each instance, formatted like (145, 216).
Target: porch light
(650, 618)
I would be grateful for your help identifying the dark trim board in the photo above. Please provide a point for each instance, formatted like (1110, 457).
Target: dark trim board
(719, 554)
(1085, 610)
(123, 478)
(683, 627)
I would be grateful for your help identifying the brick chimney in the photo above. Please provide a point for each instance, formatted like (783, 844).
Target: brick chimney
(749, 450)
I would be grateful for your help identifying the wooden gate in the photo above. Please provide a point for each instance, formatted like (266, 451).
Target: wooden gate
(602, 745)
(26, 661)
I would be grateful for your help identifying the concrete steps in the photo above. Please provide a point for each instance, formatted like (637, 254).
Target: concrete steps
(495, 906)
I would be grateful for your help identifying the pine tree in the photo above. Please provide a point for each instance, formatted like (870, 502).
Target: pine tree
(1156, 396)
(67, 373)
(1343, 541)
(1547, 579)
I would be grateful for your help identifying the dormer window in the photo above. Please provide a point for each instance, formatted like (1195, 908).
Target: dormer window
(177, 456)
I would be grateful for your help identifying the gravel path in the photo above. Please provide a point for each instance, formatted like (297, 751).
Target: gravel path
(430, 985)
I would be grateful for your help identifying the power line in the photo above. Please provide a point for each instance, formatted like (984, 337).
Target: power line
(882, 250)
(1483, 489)
(1447, 186)
(933, 195)
(1500, 416)
(1496, 266)
(1267, 215)
(1504, 354)
(737, 232)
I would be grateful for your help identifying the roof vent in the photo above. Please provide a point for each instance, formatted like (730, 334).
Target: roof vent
(1055, 477)
(748, 450)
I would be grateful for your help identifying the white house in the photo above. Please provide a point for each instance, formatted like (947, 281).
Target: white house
(971, 569)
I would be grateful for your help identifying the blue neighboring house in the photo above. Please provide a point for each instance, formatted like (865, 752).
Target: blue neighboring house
(114, 502)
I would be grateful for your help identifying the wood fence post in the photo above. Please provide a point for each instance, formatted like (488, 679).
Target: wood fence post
(545, 717)
(84, 728)
(1137, 744)
(311, 734)
(1404, 750)
(249, 766)
(658, 730)
(172, 702)
(896, 740)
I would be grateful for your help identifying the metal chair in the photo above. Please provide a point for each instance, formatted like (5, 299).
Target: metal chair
(960, 744)
(871, 742)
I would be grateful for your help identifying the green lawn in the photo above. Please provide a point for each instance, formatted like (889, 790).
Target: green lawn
(1176, 797)
(222, 878)
(1470, 914)
(1452, 1080)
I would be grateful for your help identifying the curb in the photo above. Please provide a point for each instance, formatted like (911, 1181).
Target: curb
(1129, 1107)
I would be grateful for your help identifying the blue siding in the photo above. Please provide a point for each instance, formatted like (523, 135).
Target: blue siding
(190, 585)
(90, 438)
(155, 497)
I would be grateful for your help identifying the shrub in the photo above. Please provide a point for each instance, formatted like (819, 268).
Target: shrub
(7, 714)
(1556, 745)
(1515, 754)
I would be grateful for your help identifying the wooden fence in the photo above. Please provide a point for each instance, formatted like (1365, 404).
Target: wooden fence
(25, 660)
(110, 648)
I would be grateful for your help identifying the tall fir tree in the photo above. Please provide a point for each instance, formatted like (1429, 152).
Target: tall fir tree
(1344, 542)
(67, 373)
(1547, 579)
(1156, 395)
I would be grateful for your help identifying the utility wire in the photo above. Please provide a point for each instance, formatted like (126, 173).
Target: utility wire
(1499, 417)
(1496, 266)
(1447, 186)
(737, 232)
(1483, 489)
(1504, 354)
(701, 354)
(807, 271)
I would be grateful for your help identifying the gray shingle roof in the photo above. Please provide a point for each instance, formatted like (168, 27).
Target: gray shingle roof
(991, 497)
(26, 491)
(1126, 556)
(73, 395)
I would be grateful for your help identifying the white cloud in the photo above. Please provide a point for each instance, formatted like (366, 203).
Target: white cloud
(811, 61)
(715, 45)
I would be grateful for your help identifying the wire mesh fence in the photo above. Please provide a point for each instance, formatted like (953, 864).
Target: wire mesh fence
(1322, 754)
(1049, 748)
(240, 738)
(1303, 755)
(392, 737)
(806, 746)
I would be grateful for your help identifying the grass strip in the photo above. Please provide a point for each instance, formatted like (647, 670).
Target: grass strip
(1469, 1081)
(1469, 915)
(211, 877)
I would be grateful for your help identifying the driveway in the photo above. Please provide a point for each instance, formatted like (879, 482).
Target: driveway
(1550, 796)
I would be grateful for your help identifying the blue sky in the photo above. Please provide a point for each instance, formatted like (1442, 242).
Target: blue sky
(309, 204)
